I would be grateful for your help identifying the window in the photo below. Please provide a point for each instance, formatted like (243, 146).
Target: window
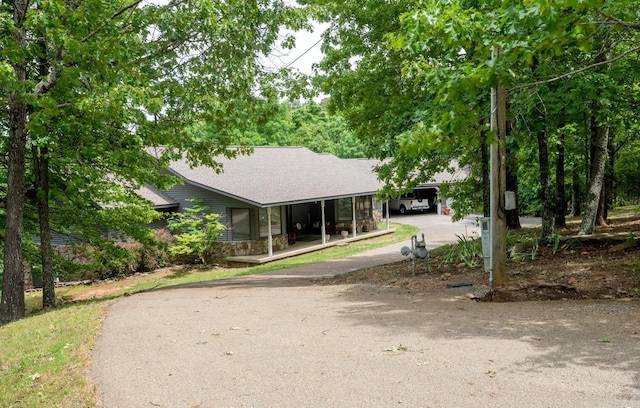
(276, 222)
(240, 224)
(345, 211)
(363, 208)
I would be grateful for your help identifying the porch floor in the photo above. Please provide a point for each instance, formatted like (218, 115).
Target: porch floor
(306, 246)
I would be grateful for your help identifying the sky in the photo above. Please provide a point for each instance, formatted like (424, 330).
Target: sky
(305, 54)
(301, 57)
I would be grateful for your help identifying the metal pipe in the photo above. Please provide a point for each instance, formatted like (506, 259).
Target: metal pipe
(493, 127)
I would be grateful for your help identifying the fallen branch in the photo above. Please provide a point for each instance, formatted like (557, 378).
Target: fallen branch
(632, 242)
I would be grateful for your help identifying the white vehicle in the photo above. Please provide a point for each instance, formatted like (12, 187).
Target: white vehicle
(409, 202)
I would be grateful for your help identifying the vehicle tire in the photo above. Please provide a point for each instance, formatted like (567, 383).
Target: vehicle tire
(403, 209)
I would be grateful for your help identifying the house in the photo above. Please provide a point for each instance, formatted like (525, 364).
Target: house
(278, 196)
(428, 191)
(431, 189)
(278, 199)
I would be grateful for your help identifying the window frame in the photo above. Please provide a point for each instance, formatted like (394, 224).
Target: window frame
(235, 222)
(276, 229)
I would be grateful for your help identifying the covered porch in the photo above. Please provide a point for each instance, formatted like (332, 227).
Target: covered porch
(315, 243)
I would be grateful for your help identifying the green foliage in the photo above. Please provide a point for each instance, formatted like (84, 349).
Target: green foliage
(413, 79)
(627, 168)
(467, 250)
(113, 258)
(107, 82)
(556, 239)
(363, 74)
(196, 231)
(522, 246)
(309, 125)
(466, 195)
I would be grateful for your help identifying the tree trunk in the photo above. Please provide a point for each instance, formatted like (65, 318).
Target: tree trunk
(498, 182)
(609, 177)
(600, 215)
(576, 194)
(41, 165)
(588, 154)
(601, 218)
(41, 170)
(606, 195)
(545, 184)
(597, 179)
(12, 304)
(561, 195)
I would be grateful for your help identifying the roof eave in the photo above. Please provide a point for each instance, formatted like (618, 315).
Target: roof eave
(276, 203)
(310, 200)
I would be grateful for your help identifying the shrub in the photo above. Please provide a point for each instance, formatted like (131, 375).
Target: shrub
(156, 254)
(196, 233)
(113, 259)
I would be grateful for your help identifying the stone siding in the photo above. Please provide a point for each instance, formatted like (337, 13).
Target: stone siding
(369, 224)
(378, 216)
(256, 247)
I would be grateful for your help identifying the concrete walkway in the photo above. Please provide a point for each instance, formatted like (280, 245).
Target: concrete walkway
(276, 340)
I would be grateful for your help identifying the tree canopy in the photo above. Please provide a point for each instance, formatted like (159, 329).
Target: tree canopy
(90, 84)
(413, 78)
(308, 124)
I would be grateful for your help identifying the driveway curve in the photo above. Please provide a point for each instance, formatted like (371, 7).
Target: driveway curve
(277, 340)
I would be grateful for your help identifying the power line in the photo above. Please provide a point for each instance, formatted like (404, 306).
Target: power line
(302, 55)
(358, 7)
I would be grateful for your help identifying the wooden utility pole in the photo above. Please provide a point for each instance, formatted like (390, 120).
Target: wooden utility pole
(498, 187)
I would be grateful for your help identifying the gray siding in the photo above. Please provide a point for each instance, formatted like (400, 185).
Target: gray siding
(217, 203)
(158, 224)
(60, 239)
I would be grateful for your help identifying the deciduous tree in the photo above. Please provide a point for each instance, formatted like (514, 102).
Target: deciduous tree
(93, 83)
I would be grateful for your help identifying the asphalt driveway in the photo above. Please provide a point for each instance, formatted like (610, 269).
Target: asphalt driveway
(277, 340)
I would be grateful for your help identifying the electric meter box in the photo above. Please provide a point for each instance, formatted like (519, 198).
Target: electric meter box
(509, 200)
(485, 230)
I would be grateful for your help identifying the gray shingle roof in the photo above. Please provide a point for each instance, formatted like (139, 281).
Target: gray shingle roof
(457, 174)
(282, 175)
(157, 197)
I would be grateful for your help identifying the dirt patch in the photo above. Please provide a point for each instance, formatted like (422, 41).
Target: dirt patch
(103, 288)
(603, 266)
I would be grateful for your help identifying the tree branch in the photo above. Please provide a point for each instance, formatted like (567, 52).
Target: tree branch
(44, 85)
(568, 74)
(635, 26)
(113, 17)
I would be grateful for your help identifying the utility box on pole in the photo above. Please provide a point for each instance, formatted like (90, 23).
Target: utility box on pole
(509, 200)
(485, 230)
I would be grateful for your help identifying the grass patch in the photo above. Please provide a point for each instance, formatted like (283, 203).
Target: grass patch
(45, 357)
(402, 233)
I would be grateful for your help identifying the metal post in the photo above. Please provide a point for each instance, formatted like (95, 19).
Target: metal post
(414, 239)
(270, 239)
(388, 221)
(492, 127)
(354, 225)
(323, 228)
